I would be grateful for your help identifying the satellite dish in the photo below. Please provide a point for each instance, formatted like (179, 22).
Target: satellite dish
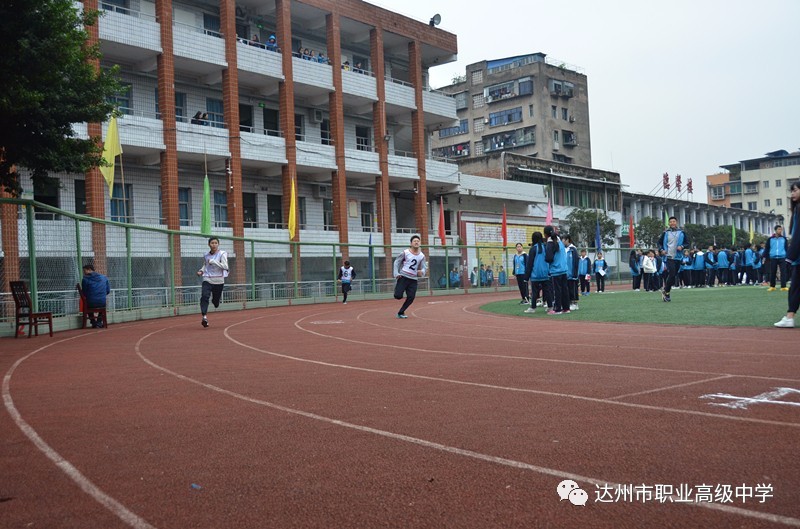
(435, 20)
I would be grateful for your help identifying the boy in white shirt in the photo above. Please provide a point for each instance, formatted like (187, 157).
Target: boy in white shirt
(214, 271)
(408, 268)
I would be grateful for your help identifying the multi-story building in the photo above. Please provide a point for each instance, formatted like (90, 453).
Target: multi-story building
(529, 104)
(758, 184)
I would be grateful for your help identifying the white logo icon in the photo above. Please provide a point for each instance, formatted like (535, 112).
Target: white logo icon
(569, 490)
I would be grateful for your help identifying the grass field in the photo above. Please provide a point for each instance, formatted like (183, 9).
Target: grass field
(728, 306)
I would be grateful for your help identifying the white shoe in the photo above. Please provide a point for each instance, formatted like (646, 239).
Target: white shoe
(786, 323)
(573, 307)
(531, 310)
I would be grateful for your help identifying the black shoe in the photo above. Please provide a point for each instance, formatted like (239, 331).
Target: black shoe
(664, 296)
(204, 322)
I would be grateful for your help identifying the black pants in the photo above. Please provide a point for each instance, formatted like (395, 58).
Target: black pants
(405, 285)
(711, 274)
(213, 291)
(774, 266)
(751, 274)
(673, 265)
(794, 290)
(572, 286)
(601, 281)
(560, 293)
(523, 286)
(637, 282)
(545, 288)
(586, 285)
(345, 289)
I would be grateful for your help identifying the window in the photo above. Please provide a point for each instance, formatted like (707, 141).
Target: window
(327, 214)
(752, 206)
(211, 25)
(478, 101)
(245, 118)
(766, 203)
(766, 184)
(363, 138)
(555, 136)
(554, 111)
(499, 91)
(180, 106)
(46, 192)
(504, 117)
(299, 129)
(301, 212)
(221, 209)
(325, 132)
(184, 206)
(462, 128)
(530, 110)
(564, 114)
(778, 201)
(717, 192)
(751, 187)
(367, 214)
(461, 100)
(122, 203)
(272, 124)
(80, 197)
(216, 112)
(123, 99)
(525, 86)
(735, 189)
(452, 151)
(477, 125)
(274, 211)
(478, 148)
(777, 183)
(477, 77)
(249, 210)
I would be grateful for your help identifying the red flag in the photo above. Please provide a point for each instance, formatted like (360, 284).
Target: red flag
(441, 222)
(504, 228)
(548, 220)
(630, 233)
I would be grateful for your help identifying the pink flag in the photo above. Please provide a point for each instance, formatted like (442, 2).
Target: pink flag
(549, 219)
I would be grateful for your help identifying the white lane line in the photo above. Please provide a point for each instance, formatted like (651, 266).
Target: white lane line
(774, 518)
(85, 484)
(742, 403)
(667, 388)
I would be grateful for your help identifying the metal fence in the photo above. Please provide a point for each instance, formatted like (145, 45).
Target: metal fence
(153, 271)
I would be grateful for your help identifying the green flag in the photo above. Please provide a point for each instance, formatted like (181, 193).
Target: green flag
(666, 219)
(205, 219)
(733, 235)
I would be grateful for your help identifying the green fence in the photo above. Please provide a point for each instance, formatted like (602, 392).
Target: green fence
(152, 271)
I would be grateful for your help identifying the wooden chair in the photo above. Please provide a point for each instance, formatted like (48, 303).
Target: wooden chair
(89, 312)
(25, 314)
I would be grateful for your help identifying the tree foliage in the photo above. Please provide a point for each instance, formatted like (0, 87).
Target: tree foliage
(647, 232)
(582, 224)
(48, 84)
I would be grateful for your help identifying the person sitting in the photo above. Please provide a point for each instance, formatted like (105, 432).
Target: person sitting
(322, 59)
(255, 42)
(204, 118)
(358, 68)
(272, 43)
(198, 118)
(95, 289)
(346, 66)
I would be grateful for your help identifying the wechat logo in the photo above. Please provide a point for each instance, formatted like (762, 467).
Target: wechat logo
(569, 490)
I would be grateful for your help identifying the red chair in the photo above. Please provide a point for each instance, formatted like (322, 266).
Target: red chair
(89, 312)
(25, 314)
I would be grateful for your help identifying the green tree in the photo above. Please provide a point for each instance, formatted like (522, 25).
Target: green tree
(49, 83)
(647, 232)
(582, 224)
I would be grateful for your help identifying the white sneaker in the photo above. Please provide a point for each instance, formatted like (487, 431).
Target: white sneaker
(573, 307)
(531, 310)
(786, 323)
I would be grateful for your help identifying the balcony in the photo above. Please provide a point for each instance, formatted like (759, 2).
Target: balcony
(257, 66)
(362, 159)
(359, 87)
(402, 164)
(441, 172)
(400, 94)
(203, 140)
(439, 107)
(198, 51)
(128, 36)
(315, 155)
(261, 147)
(311, 78)
(570, 140)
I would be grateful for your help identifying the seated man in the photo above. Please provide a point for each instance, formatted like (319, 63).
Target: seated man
(95, 289)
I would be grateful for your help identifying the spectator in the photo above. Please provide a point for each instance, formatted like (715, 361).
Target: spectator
(346, 66)
(272, 43)
(198, 118)
(95, 289)
(254, 41)
(322, 59)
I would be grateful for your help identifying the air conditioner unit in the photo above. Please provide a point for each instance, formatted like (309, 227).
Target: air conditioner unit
(316, 116)
(486, 121)
(320, 191)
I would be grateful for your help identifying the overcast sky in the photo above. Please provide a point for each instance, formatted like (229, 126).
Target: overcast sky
(679, 87)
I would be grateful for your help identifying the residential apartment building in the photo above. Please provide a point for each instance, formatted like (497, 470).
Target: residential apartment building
(758, 184)
(528, 104)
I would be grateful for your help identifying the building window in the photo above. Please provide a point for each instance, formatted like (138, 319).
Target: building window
(462, 128)
(246, 118)
(555, 136)
(363, 138)
(216, 112)
(717, 192)
(766, 203)
(299, 128)
(504, 117)
(211, 24)
(80, 197)
(752, 206)
(327, 214)
(530, 110)
(778, 201)
(249, 210)
(564, 114)
(477, 77)
(325, 132)
(274, 211)
(478, 101)
(221, 209)
(272, 126)
(735, 189)
(554, 112)
(525, 86)
(452, 151)
(180, 106)
(461, 100)
(123, 99)
(122, 203)
(478, 148)
(46, 192)
(499, 91)
(751, 187)
(301, 212)
(184, 206)
(367, 216)
(478, 124)
(777, 183)
(766, 184)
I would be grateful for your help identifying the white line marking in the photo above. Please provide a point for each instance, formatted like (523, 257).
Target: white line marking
(86, 485)
(329, 322)
(667, 388)
(775, 518)
(741, 403)
(438, 302)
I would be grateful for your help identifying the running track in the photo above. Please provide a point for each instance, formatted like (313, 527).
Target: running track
(337, 416)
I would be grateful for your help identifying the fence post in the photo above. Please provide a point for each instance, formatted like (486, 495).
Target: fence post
(253, 270)
(78, 248)
(335, 275)
(129, 265)
(172, 299)
(32, 257)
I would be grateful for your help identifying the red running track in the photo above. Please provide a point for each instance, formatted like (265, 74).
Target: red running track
(337, 416)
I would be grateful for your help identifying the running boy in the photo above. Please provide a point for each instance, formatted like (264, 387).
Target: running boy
(214, 271)
(408, 268)
(346, 276)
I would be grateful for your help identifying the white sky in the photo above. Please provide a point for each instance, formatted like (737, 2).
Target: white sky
(679, 87)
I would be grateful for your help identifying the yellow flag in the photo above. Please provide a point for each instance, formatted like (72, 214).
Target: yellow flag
(293, 212)
(111, 149)
(751, 232)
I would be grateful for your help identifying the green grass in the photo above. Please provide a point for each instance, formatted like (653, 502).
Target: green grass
(729, 306)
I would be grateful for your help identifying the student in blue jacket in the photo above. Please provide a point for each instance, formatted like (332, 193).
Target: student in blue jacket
(538, 271)
(793, 257)
(556, 257)
(722, 266)
(636, 272)
(95, 289)
(749, 263)
(520, 260)
(711, 266)
(584, 273)
(600, 264)
(672, 242)
(572, 272)
(775, 252)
